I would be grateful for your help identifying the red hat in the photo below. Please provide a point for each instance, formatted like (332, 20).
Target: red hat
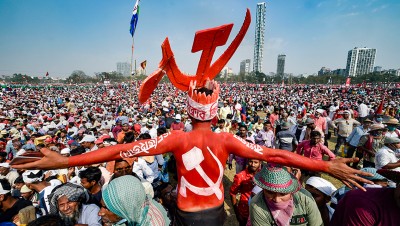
(102, 138)
(49, 119)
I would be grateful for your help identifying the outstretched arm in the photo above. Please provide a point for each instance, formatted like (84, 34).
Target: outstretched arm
(52, 160)
(336, 168)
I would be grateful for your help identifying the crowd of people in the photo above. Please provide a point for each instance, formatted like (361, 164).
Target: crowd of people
(361, 122)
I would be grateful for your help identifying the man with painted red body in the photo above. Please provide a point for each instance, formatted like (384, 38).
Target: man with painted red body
(200, 157)
(200, 154)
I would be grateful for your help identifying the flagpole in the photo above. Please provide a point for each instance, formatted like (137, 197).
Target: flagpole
(132, 74)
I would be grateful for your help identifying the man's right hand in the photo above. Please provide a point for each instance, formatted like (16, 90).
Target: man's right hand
(349, 176)
(51, 160)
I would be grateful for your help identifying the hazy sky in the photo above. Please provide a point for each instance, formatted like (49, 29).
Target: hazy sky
(60, 36)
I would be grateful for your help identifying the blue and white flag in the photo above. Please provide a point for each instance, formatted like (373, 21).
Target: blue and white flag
(135, 18)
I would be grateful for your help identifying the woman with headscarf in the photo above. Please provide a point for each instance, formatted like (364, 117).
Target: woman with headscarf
(125, 196)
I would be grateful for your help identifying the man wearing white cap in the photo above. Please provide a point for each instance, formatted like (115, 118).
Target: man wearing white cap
(7, 173)
(34, 181)
(321, 190)
(344, 126)
(88, 143)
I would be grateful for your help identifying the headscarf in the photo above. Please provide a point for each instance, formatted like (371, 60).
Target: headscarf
(125, 196)
(73, 192)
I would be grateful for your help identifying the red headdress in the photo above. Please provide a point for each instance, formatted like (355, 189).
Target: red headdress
(202, 106)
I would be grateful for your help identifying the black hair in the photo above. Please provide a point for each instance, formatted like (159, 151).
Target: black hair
(91, 174)
(77, 151)
(129, 137)
(3, 154)
(242, 126)
(161, 130)
(144, 136)
(5, 184)
(158, 190)
(315, 134)
(48, 220)
(19, 180)
(267, 122)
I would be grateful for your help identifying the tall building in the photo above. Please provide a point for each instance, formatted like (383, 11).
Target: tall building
(377, 69)
(324, 71)
(280, 69)
(226, 72)
(124, 68)
(259, 37)
(360, 61)
(245, 67)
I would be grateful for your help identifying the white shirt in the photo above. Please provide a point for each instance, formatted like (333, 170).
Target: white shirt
(143, 170)
(385, 156)
(363, 110)
(90, 215)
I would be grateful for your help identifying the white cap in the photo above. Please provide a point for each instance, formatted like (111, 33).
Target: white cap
(322, 185)
(5, 165)
(178, 116)
(65, 151)
(88, 138)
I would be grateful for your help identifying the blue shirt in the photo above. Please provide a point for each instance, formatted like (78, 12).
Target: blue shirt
(355, 136)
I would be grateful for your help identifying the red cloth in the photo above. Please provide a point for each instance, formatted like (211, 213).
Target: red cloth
(243, 184)
(314, 152)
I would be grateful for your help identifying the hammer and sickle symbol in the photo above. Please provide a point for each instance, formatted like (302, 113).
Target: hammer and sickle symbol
(206, 41)
(192, 160)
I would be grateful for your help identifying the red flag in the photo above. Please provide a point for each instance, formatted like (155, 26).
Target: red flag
(379, 111)
(348, 81)
(47, 74)
(143, 64)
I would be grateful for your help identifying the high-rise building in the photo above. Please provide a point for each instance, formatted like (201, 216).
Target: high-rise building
(377, 69)
(124, 68)
(360, 61)
(324, 71)
(245, 67)
(226, 72)
(259, 37)
(280, 69)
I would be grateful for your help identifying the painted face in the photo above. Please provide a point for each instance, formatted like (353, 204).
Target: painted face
(107, 217)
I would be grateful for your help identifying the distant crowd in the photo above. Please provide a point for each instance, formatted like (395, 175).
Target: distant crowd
(318, 122)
